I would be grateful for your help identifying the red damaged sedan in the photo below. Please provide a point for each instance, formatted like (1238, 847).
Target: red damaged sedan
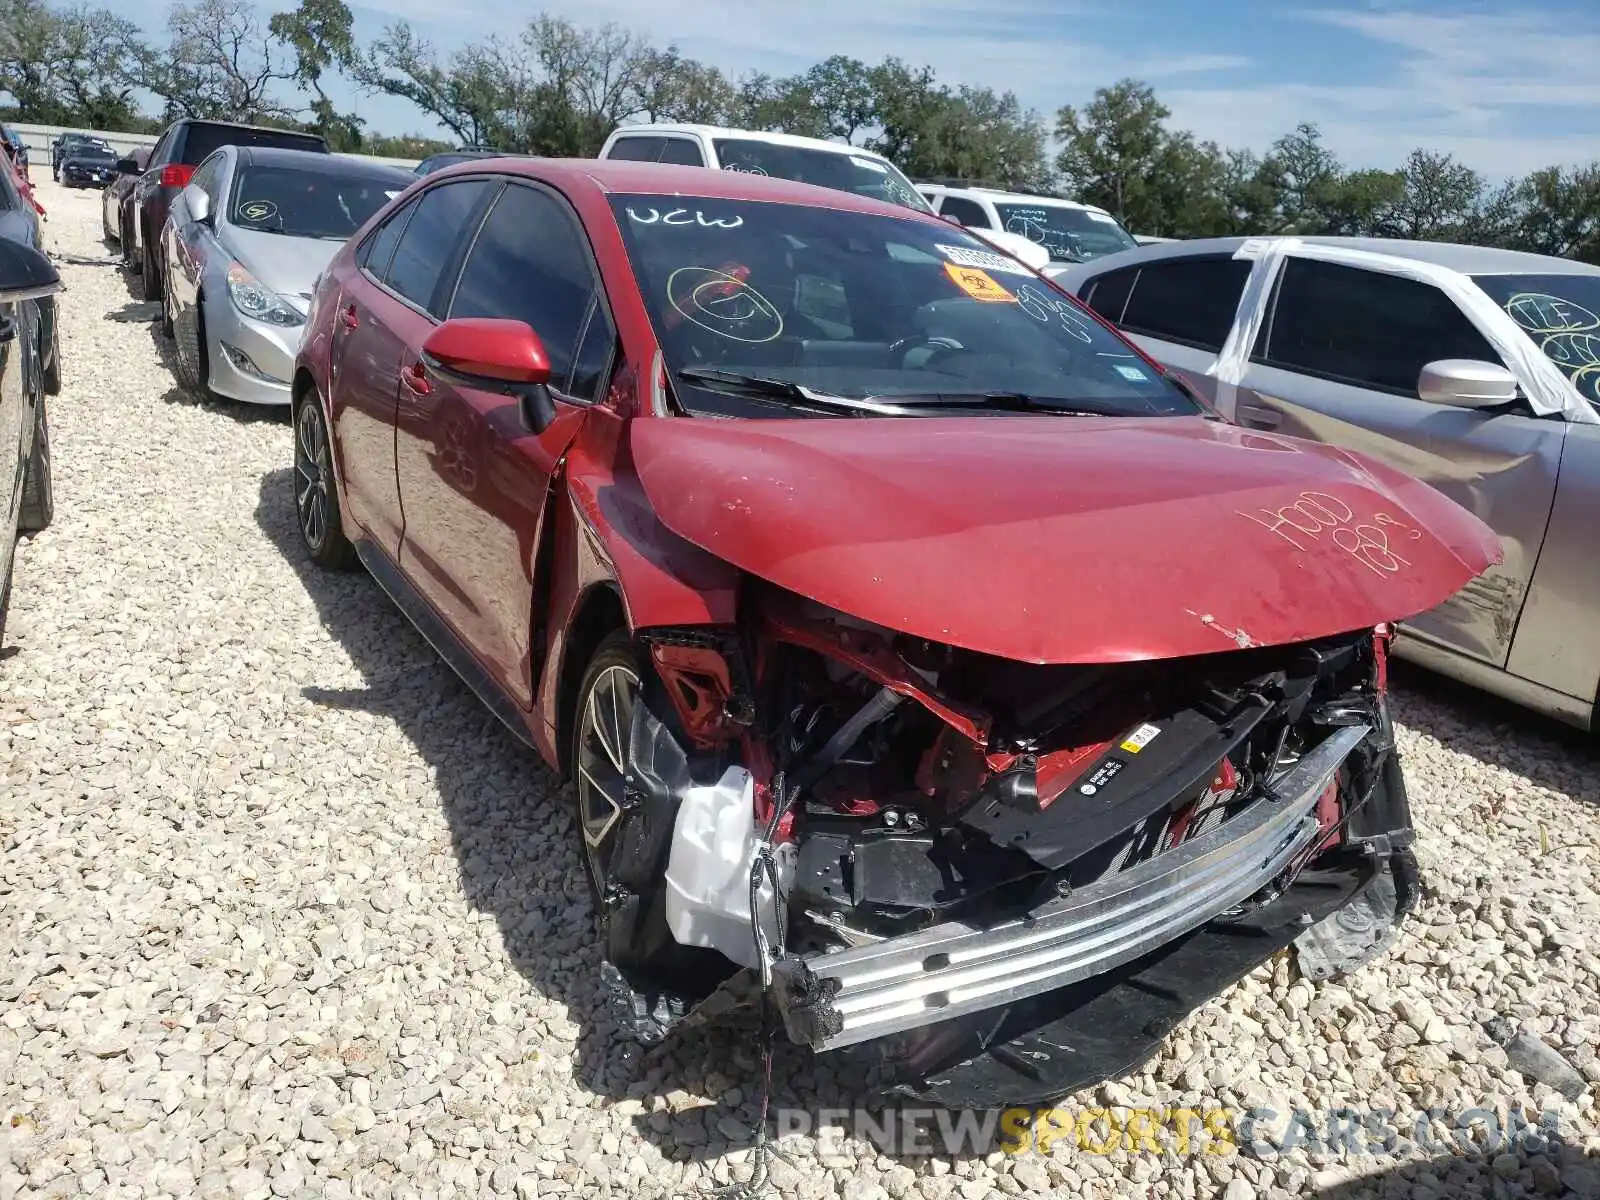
(929, 665)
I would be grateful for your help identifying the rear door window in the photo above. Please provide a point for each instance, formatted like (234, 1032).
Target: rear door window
(1191, 301)
(427, 247)
(1364, 327)
(682, 151)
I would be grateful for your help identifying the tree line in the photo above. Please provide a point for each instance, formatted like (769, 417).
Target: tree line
(558, 88)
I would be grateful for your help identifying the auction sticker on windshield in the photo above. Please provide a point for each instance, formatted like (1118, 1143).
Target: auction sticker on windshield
(978, 284)
(983, 259)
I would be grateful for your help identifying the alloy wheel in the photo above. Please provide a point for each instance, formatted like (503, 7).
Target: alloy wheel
(603, 735)
(311, 470)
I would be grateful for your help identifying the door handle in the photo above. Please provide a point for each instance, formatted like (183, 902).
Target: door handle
(415, 377)
(348, 317)
(1260, 416)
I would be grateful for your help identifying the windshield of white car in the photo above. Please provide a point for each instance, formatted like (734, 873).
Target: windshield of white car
(1561, 314)
(1070, 234)
(751, 296)
(309, 204)
(863, 174)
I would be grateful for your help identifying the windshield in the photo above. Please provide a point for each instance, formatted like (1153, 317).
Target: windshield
(857, 305)
(312, 204)
(97, 153)
(1070, 234)
(1561, 314)
(863, 174)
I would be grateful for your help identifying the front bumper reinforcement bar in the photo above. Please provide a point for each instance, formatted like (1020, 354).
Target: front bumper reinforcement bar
(848, 996)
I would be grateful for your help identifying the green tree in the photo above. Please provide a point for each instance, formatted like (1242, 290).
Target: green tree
(319, 34)
(1438, 197)
(1112, 153)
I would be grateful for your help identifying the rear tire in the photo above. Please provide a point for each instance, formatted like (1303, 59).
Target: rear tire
(51, 356)
(5, 596)
(151, 273)
(166, 308)
(316, 491)
(38, 484)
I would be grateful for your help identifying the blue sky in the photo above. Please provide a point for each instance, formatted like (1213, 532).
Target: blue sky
(1506, 87)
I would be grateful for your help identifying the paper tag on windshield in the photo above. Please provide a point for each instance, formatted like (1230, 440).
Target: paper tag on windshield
(978, 284)
(1103, 218)
(982, 259)
(870, 164)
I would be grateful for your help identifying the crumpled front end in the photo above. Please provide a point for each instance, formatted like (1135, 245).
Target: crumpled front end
(1000, 881)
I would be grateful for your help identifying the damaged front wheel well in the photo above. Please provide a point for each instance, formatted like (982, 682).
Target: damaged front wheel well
(599, 613)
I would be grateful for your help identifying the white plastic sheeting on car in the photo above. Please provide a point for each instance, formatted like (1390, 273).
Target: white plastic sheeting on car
(1549, 392)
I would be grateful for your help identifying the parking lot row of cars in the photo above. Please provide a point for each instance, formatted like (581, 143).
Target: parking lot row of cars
(835, 553)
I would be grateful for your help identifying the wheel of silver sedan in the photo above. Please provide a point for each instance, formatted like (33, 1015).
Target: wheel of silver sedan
(605, 717)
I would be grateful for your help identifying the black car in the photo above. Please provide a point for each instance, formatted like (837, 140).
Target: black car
(88, 165)
(27, 281)
(449, 158)
(182, 146)
(68, 144)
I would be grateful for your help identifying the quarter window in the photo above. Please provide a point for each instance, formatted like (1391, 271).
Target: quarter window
(1365, 327)
(1191, 301)
(530, 264)
(423, 253)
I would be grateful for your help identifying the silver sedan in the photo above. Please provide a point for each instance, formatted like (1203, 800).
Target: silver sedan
(241, 251)
(1476, 370)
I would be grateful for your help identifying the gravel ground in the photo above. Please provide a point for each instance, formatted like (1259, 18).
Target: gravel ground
(288, 915)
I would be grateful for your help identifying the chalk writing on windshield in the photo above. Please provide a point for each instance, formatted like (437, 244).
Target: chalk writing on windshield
(723, 304)
(1043, 308)
(683, 216)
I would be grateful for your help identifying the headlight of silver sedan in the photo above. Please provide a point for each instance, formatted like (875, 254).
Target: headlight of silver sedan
(259, 302)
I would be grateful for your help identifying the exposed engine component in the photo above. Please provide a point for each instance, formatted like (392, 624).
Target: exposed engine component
(956, 837)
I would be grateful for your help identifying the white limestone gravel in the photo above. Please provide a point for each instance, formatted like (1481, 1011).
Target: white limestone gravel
(286, 914)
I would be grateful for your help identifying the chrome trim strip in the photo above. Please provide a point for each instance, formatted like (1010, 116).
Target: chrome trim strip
(954, 969)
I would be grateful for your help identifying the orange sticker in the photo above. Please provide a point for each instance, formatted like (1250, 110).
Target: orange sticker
(980, 285)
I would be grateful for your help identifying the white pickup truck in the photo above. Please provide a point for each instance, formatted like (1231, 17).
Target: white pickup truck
(834, 165)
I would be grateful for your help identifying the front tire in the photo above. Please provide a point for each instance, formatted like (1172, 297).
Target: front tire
(316, 491)
(189, 361)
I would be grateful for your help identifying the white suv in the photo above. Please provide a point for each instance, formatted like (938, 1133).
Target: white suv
(1069, 231)
(834, 165)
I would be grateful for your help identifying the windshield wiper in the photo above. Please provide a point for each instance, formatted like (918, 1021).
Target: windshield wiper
(1006, 401)
(785, 389)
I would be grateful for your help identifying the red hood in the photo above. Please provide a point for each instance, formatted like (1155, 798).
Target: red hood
(1064, 539)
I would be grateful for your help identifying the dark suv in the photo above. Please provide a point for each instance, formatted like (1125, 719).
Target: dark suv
(182, 147)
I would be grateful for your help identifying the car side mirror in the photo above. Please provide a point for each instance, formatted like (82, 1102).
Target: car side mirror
(198, 204)
(25, 274)
(1467, 383)
(495, 355)
(127, 166)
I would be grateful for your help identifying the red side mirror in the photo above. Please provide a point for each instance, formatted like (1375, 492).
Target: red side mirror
(482, 351)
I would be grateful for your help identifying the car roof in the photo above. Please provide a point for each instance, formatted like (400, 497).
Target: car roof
(1005, 197)
(293, 133)
(1453, 256)
(620, 176)
(318, 163)
(723, 131)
